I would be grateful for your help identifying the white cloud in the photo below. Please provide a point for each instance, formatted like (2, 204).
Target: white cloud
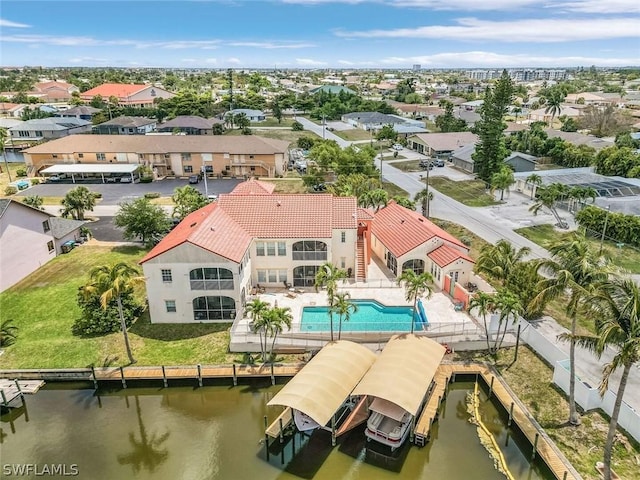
(270, 45)
(466, 5)
(9, 24)
(599, 6)
(181, 44)
(476, 59)
(88, 60)
(514, 31)
(234, 61)
(309, 62)
(211, 61)
(71, 41)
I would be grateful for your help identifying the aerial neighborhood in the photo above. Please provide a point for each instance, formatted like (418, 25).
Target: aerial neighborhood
(357, 246)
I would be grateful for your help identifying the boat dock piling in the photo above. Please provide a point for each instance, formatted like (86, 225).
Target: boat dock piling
(11, 390)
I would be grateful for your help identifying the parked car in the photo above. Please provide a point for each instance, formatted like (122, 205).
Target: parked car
(54, 178)
(438, 162)
(426, 163)
(125, 180)
(397, 146)
(194, 179)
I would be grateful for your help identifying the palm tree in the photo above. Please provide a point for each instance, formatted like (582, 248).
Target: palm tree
(554, 104)
(549, 197)
(509, 305)
(111, 282)
(374, 198)
(256, 309)
(484, 303)
(617, 304)
(498, 260)
(327, 276)
(276, 319)
(4, 134)
(502, 180)
(424, 196)
(34, 201)
(8, 333)
(343, 307)
(533, 179)
(572, 269)
(76, 201)
(517, 110)
(415, 286)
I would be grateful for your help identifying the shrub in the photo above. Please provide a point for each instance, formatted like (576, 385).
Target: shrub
(247, 131)
(10, 190)
(466, 241)
(35, 181)
(97, 321)
(97, 194)
(21, 172)
(297, 127)
(146, 179)
(150, 195)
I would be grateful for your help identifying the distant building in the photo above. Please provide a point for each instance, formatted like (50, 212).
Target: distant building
(48, 128)
(55, 91)
(126, 126)
(417, 67)
(441, 145)
(83, 112)
(252, 115)
(189, 124)
(333, 89)
(128, 95)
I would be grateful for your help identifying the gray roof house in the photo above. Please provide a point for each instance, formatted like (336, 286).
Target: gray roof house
(189, 124)
(48, 128)
(124, 125)
(370, 120)
(83, 112)
(252, 115)
(441, 144)
(520, 162)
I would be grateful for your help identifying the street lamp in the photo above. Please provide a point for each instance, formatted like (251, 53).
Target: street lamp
(604, 229)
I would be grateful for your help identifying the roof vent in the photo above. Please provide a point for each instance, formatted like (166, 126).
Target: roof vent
(213, 229)
(421, 219)
(402, 221)
(278, 203)
(193, 224)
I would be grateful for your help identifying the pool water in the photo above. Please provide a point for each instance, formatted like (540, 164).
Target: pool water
(371, 316)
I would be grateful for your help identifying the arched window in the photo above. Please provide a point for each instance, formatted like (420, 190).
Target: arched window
(416, 265)
(305, 276)
(214, 308)
(211, 279)
(309, 250)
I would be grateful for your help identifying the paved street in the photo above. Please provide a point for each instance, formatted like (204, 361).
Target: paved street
(318, 130)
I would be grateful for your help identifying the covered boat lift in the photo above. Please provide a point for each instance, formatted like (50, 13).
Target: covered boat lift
(93, 170)
(399, 380)
(323, 385)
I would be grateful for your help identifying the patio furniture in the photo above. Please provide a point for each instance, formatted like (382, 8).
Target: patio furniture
(291, 295)
(458, 306)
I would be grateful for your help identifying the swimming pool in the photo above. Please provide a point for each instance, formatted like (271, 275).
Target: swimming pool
(371, 316)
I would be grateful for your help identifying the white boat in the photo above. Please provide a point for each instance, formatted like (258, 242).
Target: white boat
(388, 423)
(303, 421)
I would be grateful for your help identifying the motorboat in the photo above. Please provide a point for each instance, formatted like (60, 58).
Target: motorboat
(303, 421)
(388, 423)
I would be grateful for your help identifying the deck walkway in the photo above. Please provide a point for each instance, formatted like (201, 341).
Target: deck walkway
(11, 390)
(543, 446)
(274, 430)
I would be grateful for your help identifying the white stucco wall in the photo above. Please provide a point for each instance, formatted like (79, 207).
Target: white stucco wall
(23, 243)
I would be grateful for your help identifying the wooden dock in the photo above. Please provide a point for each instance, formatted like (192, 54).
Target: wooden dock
(276, 429)
(12, 390)
(542, 445)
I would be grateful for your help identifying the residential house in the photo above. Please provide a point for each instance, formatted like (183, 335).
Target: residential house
(580, 138)
(179, 155)
(542, 115)
(48, 128)
(29, 238)
(189, 124)
(83, 112)
(441, 145)
(53, 91)
(124, 125)
(252, 115)
(253, 238)
(332, 89)
(128, 95)
(519, 162)
(593, 98)
(13, 110)
(371, 120)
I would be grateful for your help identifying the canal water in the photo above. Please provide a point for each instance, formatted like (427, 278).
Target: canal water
(217, 432)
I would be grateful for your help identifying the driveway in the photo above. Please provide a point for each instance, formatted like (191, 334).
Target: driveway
(114, 193)
(318, 130)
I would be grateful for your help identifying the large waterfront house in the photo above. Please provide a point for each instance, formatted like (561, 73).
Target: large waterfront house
(29, 238)
(128, 95)
(179, 155)
(206, 267)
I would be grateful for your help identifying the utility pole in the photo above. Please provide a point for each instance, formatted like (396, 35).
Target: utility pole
(324, 123)
(206, 187)
(604, 229)
(230, 78)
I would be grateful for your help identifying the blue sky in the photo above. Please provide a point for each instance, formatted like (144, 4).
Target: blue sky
(321, 33)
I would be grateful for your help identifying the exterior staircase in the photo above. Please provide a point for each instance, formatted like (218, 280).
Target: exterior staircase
(361, 273)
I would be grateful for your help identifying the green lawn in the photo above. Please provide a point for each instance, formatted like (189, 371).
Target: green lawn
(409, 166)
(43, 307)
(287, 185)
(353, 134)
(531, 379)
(287, 135)
(4, 177)
(475, 242)
(273, 122)
(625, 257)
(469, 192)
(392, 189)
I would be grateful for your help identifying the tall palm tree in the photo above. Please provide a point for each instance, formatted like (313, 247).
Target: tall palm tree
(617, 305)
(4, 134)
(533, 179)
(502, 180)
(109, 282)
(485, 304)
(554, 104)
(327, 276)
(498, 260)
(343, 307)
(549, 197)
(277, 318)
(573, 269)
(415, 286)
(256, 309)
(424, 196)
(508, 304)
(77, 201)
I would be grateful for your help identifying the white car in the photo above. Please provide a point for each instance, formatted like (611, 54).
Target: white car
(397, 146)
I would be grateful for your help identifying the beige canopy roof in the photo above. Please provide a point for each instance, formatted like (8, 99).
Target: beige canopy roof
(403, 371)
(326, 381)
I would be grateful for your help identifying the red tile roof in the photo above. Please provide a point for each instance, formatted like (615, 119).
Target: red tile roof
(228, 226)
(120, 90)
(365, 214)
(444, 255)
(253, 187)
(401, 230)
